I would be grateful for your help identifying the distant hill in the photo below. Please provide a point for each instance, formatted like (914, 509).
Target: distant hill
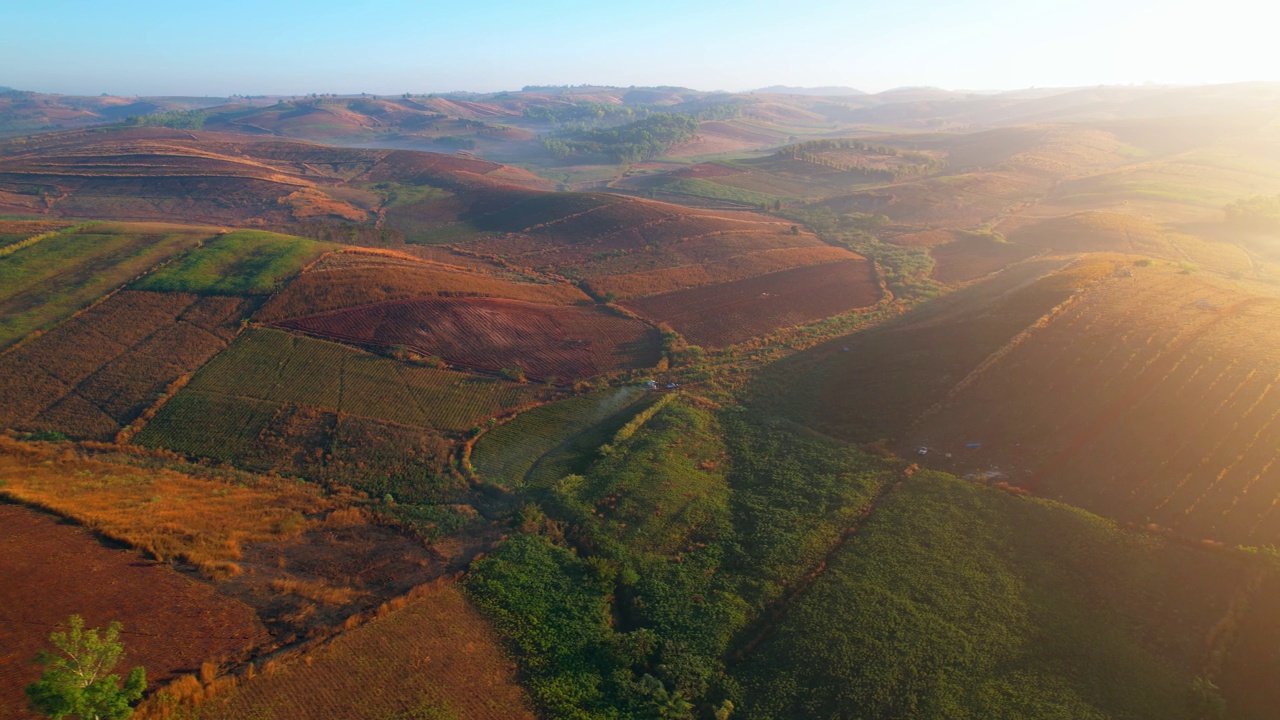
(818, 91)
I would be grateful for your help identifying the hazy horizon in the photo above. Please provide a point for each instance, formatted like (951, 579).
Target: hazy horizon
(390, 47)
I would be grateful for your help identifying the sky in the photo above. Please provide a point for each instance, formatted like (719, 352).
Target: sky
(268, 47)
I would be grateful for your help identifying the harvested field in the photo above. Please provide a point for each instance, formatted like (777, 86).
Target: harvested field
(546, 341)
(244, 262)
(434, 658)
(721, 315)
(1152, 399)
(46, 282)
(54, 569)
(236, 395)
(327, 290)
(97, 372)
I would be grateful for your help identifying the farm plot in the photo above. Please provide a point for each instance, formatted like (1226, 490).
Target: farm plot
(505, 455)
(1153, 399)
(54, 569)
(721, 315)
(545, 341)
(326, 290)
(235, 397)
(244, 262)
(98, 371)
(48, 281)
(434, 658)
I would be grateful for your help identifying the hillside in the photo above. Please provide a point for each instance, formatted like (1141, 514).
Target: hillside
(771, 405)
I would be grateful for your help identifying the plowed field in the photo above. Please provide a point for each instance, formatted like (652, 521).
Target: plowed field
(721, 315)
(491, 334)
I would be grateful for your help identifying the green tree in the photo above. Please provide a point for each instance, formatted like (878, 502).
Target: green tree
(77, 682)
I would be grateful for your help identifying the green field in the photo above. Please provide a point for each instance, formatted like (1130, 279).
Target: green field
(222, 427)
(505, 455)
(45, 282)
(277, 367)
(244, 262)
(995, 606)
(693, 525)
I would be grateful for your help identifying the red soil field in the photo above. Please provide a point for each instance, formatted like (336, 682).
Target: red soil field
(565, 342)
(54, 569)
(345, 287)
(720, 315)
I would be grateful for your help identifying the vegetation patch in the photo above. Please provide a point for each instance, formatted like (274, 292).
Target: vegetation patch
(243, 262)
(43, 284)
(506, 454)
(995, 606)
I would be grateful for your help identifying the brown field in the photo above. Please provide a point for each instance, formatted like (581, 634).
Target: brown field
(96, 372)
(54, 569)
(1153, 398)
(973, 257)
(891, 374)
(737, 267)
(564, 342)
(434, 658)
(327, 288)
(303, 560)
(158, 174)
(720, 315)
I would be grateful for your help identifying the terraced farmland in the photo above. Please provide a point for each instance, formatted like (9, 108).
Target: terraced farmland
(244, 262)
(98, 371)
(728, 313)
(233, 398)
(546, 341)
(48, 281)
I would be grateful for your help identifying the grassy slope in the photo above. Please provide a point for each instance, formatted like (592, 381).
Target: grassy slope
(961, 601)
(244, 262)
(49, 280)
(505, 455)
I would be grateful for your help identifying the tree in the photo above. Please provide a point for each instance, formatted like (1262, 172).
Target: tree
(78, 683)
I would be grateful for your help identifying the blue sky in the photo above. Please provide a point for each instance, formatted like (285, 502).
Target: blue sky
(392, 46)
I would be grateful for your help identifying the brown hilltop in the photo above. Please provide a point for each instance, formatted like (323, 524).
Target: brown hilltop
(155, 173)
